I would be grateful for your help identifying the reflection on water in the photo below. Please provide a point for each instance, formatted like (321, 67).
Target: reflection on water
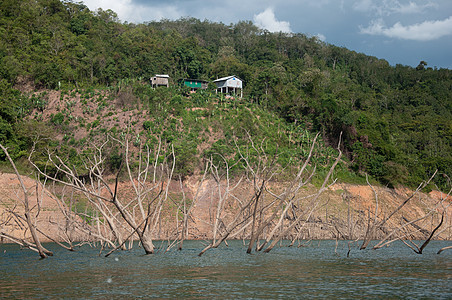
(228, 272)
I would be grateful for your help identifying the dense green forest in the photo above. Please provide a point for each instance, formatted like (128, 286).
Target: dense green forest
(396, 121)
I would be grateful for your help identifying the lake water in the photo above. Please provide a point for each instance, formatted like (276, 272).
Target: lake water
(316, 271)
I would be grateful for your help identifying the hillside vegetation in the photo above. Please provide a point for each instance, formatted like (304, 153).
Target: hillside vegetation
(396, 121)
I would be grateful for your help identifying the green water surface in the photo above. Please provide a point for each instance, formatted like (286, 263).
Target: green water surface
(318, 271)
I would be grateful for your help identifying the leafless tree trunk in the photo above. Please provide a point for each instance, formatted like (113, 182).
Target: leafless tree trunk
(260, 169)
(186, 210)
(375, 224)
(415, 247)
(386, 239)
(225, 191)
(92, 190)
(312, 204)
(257, 214)
(29, 218)
(444, 248)
(288, 197)
(150, 184)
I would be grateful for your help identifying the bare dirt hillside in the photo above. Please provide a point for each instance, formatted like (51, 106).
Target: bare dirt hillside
(90, 111)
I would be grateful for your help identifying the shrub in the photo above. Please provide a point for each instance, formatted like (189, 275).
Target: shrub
(147, 125)
(57, 119)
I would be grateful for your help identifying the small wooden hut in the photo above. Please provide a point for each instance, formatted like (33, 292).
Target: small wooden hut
(160, 80)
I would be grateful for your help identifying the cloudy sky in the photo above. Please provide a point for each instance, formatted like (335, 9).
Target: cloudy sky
(400, 31)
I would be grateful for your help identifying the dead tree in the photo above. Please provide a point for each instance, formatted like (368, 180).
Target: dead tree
(92, 189)
(312, 205)
(186, 209)
(444, 248)
(220, 172)
(149, 182)
(413, 246)
(258, 213)
(29, 216)
(398, 233)
(77, 222)
(149, 215)
(407, 228)
(375, 225)
(289, 196)
(260, 169)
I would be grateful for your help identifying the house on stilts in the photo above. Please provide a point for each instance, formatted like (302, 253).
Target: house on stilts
(230, 85)
(160, 80)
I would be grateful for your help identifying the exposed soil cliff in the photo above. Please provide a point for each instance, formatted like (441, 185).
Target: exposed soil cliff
(343, 211)
(48, 215)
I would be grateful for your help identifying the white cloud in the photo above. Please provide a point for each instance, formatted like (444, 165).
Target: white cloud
(363, 5)
(321, 37)
(412, 8)
(134, 12)
(146, 13)
(267, 20)
(425, 31)
(389, 7)
(116, 6)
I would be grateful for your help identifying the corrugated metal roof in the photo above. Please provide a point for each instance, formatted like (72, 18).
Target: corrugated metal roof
(227, 78)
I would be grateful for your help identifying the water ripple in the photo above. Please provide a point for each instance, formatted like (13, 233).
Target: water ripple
(317, 271)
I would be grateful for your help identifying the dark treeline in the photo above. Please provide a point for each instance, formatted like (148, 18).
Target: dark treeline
(396, 120)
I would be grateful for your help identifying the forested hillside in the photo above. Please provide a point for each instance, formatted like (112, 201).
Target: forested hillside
(396, 120)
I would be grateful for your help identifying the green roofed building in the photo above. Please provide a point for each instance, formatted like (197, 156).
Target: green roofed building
(195, 84)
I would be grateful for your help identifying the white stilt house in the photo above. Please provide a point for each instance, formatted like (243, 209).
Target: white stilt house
(160, 80)
(231, 85)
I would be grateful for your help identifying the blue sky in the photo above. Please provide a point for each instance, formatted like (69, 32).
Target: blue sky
(400, 31)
